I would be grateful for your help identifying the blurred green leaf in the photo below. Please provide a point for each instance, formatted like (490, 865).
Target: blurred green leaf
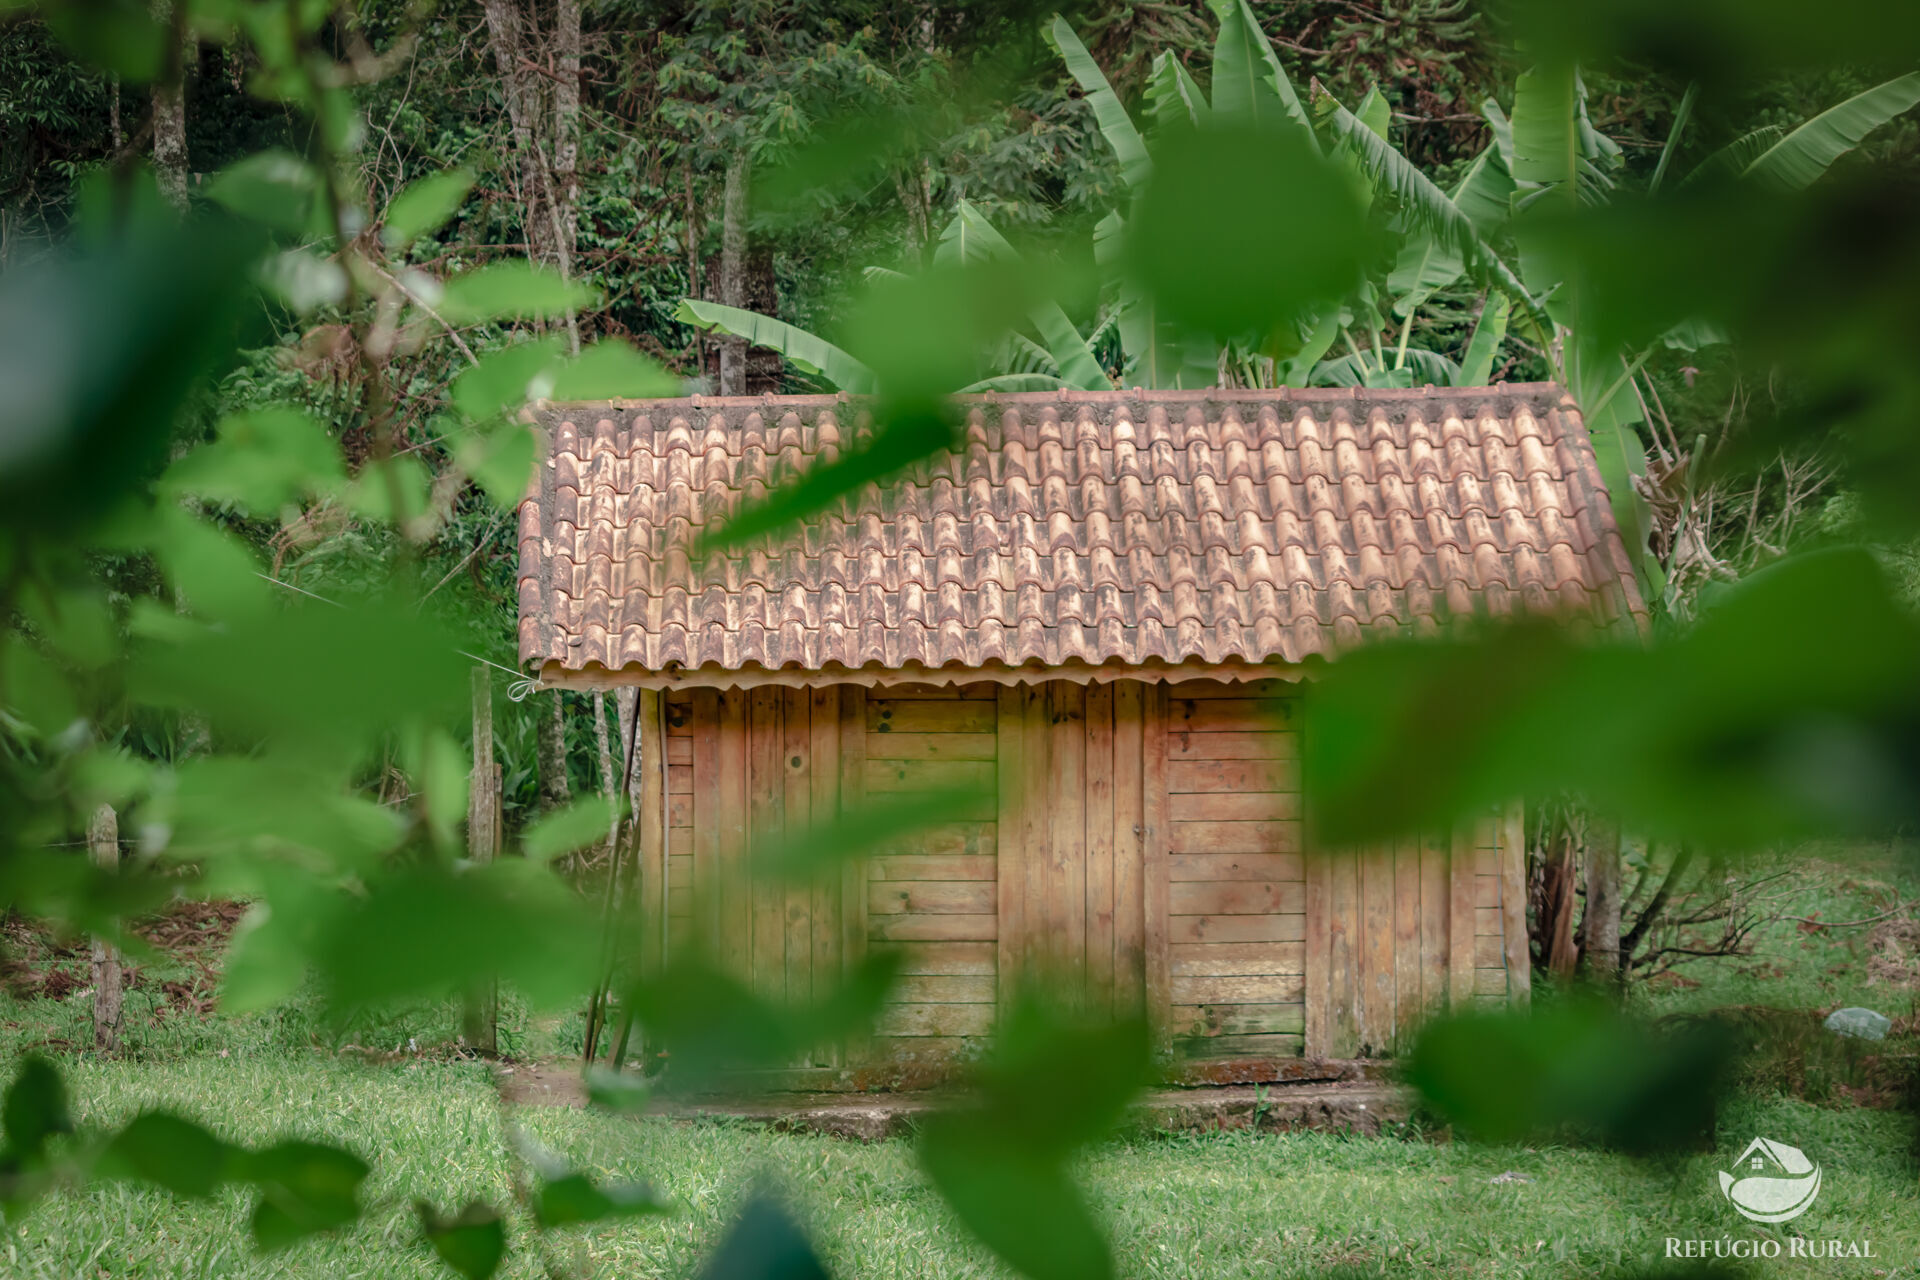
(506, 378)
(261, 460)
(764, 1243)
(425, 205)
(392, 490)
(586, 821)
(501, 461)
(1293, 235)
(512, 290)
(472, 1242)
(35, 1108)
(860, 830)
(575, 1198)
(276, 189)
(613, 370)
(1579, 1068)
(170, 1152)
(1025, 1208)
(305, 1188)
(620, 1092)
(121, 37)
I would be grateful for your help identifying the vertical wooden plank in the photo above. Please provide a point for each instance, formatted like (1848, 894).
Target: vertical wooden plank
(1406, 941)
(708, 817)
(853, 872)
(766, 790)
(1129, 919)
(1011, 890)
(823, 776)
(1433, 923)
(1099, 862)
(1318, 998)
(1155, 893)
(1035, 747)
(1376, 881)
(1343, 953)
(796, 747)
(1513, 902)
(652, 766)
(734, 942)
(1067, 831)
(1460, 920)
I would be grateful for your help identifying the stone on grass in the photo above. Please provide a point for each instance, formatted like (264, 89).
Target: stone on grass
(1861, 1024)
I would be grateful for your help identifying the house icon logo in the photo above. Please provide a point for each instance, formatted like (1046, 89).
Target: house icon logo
(1771, 1181)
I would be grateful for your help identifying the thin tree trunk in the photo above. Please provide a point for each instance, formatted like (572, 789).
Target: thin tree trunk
(508, 34)
(566, 123)
(733, 272)
(109, 989)
(481, 1015)
(1600, 925)
(170, 117)
(1561, 954)
(550, 750)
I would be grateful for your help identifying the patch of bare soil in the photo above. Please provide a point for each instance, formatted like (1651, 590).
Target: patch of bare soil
(38, 964)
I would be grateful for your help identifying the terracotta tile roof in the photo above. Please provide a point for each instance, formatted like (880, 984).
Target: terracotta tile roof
(1068, 531)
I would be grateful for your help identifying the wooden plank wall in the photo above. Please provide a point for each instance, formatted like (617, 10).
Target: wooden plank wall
(1237, 893)
(934, 896)
(1073, 785)
(1402, 932)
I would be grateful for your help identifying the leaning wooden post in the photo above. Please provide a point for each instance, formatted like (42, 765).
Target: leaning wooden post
(109, 993)
(483, 842)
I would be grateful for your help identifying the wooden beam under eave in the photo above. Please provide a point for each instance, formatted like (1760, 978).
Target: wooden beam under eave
(553, 675)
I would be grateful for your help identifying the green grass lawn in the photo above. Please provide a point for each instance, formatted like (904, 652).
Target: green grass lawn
(1252, 1205)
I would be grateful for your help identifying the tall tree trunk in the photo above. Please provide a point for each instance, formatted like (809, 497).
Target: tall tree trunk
(170, 116)
(508, 32)
(1600, 925)
(109, 991)
(733, 272)
(566, 122)
(550, 750)
(481, 1015)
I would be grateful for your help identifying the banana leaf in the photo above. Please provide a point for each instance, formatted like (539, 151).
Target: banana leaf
(1799, 159)
(1173, 99)
(971, 238)
(1115, 124)
(1013, 382)
(1248, 80)
(808, 352)
(1476, 366)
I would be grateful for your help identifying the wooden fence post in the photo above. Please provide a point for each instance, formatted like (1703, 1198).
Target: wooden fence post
(483, 843)
(109, 990)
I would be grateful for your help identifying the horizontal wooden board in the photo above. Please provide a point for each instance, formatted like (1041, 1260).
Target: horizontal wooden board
(983, 690)
(1262, 688)
(1194, 959)
(934, 1020)
(1233, 806)
(680, 870)
(933, 928)
(1210, 776)
(680, 779)
(1490, 951)
(930, 897)
(1263, 988)
(1237, 897)
(1236, 866)
(1235, 1019)
(928, 775)
(930, 746)
(1486, 922)
(928, 866)
(1215, 715)
(943, 989)
(680, 811)
(886, 716)
(679, 901)
(680, 842)
(1232, 746)
(1490, 982)
(1486, 892)
(680, 750)
(961, 958)
(1289, 927)
(1236, 837)
(942, 839)
(1275, 1045)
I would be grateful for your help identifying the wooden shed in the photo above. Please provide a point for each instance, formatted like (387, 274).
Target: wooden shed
(1099, 610)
